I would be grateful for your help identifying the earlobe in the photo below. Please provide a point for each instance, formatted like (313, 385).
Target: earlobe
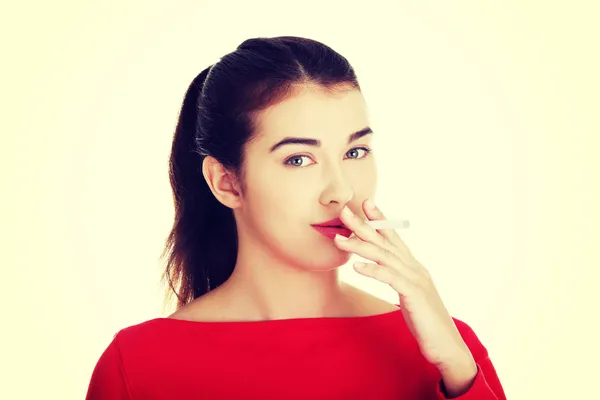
(220, 182)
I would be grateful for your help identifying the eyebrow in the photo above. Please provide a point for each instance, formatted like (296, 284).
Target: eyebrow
(317, 143)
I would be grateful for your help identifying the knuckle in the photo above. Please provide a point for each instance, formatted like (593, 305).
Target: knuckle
(385, 254)
(425, 281)
(386, 241)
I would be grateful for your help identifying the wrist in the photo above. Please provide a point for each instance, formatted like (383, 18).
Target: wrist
(458, 376)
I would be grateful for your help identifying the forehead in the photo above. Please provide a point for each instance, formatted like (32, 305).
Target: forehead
(313, 112)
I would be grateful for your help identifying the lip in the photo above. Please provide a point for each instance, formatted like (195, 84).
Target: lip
(332, 222)
(332, 227)
(331, 231)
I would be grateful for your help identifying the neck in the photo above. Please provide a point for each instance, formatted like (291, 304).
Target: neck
(264, 287)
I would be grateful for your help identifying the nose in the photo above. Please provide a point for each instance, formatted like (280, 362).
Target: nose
(338, 190)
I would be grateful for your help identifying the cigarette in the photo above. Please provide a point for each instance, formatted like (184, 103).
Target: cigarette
(389, 224)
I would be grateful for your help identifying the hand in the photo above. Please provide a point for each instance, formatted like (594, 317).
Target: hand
(424, 312)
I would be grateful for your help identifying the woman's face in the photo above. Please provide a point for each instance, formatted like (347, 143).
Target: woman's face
(289, 187)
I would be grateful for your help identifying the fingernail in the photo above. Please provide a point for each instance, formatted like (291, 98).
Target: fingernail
(340, 237)
(370, 205)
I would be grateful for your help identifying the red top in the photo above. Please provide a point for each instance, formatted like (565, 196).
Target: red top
(369, 357)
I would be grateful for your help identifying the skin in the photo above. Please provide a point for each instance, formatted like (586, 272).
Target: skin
(424, 312)
(281, 256)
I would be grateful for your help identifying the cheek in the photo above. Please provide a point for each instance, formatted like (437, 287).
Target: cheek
(280, 205)
(365, 182)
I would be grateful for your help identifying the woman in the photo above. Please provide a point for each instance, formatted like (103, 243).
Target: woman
(272, 143)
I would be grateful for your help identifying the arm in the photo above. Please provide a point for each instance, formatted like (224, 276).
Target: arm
(108, 379)
(479, 384)
(475, 378)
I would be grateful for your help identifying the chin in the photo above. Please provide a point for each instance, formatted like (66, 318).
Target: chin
(328, 262)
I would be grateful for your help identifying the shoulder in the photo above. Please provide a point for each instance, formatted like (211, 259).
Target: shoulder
(141, 343)
(110, 377)
(220, 306)
(215, 306)
(139, 340)
(143, 333)
(134, 352)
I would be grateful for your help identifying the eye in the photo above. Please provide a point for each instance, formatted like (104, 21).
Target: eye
(365, 149)
(290, 161)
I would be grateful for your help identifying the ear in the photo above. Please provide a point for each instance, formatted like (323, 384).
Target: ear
(221, 182)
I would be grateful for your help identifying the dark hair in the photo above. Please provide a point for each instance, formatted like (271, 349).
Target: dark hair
(217, 119)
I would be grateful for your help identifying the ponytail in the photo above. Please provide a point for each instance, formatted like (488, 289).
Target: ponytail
(202, 245)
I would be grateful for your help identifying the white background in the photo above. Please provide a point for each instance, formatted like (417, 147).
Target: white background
(486, 116)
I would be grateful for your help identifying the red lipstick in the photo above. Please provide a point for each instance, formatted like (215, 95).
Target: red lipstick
(332, 227)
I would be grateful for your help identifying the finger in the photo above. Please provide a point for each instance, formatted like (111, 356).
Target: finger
(377, 254)
(362, 230)
(374, 213)
(386, 275)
